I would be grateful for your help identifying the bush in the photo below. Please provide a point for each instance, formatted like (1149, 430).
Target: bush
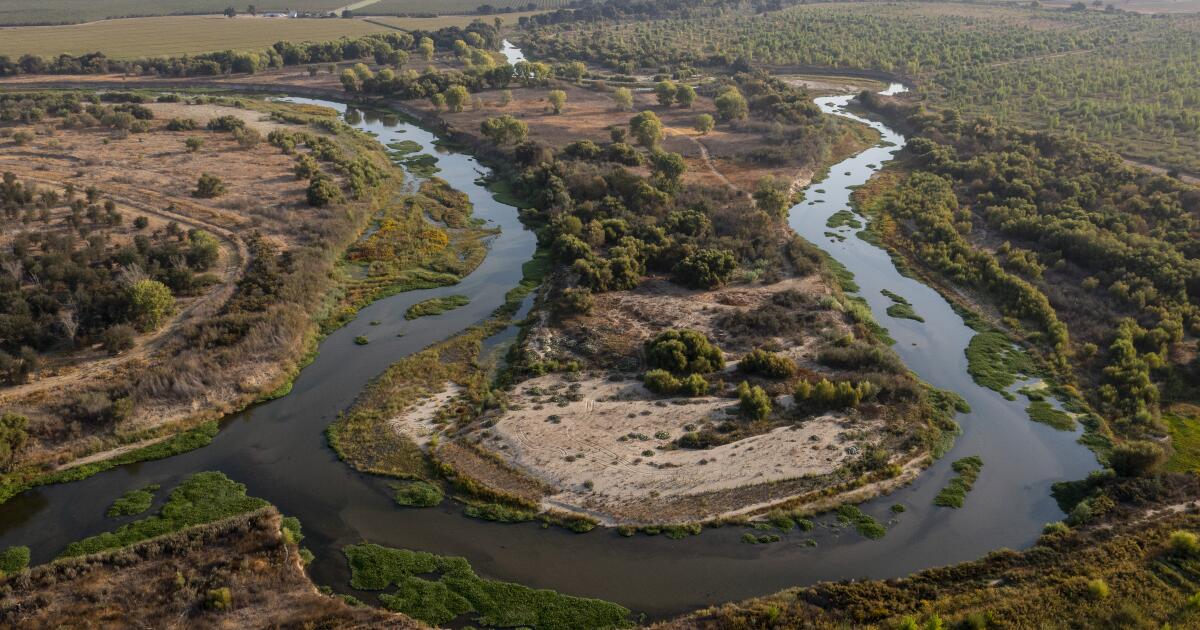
(219, 598)
(660, 382)
(418, 494)
(683, 352)
(150, 302)
(323, 191)
(209, 186)
(767, 364)
(1185, 543)
(1136, 458)
(118, 339)
(577, 300)
(693, 385)
(1097, 589)
(704, 123)
(13, 559)
(705, 269)
(753, 401)
(247, 138)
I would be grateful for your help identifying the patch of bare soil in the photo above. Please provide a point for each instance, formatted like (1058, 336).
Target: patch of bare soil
(607, 444)
(166, 583)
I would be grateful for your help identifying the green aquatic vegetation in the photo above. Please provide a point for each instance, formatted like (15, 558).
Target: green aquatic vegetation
(361, 340)
(765, 539)
(994, 362)
(417, 494)
(457, 590)
(843, 276)
(862, 522)
(202, 498)
(436, 306)
(1044, 412)
(901, 308)
(133, 502)
(404, 147)
(843, 218)
(422, 165)
(955, 492)
(499, 513)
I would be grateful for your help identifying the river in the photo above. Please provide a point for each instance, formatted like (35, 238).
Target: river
(279, 451)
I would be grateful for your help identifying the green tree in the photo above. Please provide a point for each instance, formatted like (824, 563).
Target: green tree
(685, 95)
(425, 48)
(647, 128)
(504, 130)
(457, 97)
(150, 303)
(668, 170)
(1136, 458)
(772, 196)
(705, 124)
(623, 97)
(665, 91)
(558, 99)
(705, 269)
(731, 105)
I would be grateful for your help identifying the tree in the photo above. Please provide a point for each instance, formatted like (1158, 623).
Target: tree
(230, 12)
(668, 170)
(665, 91)
(12, 438)
(457, 97)
(705, 269)
(772, 197)
(150, 302)
(683, 352)
(623, 97)
(753, 401)
(209, 186)
(350, 81)
(705, 124)
(1136, 458)
(731, 105)
(251, 9)
(558, 99)
(504, 130)
(685, 95)
(426, 49)
(647, 128)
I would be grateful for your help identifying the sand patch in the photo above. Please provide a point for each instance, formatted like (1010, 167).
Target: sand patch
(419, 422)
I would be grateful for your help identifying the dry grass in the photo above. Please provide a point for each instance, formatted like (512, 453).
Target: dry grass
(173, 36)
(441, 21)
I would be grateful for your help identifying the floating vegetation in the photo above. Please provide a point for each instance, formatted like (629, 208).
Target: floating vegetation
(417, 494)
(901, 308)
(956, 491)
(994, 362)
(843, 218)
(862, 522)
(436, 306)
(133, 502)
(1043, 412)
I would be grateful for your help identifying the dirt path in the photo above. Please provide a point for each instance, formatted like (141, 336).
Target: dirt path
(237, 258)
(707, 159)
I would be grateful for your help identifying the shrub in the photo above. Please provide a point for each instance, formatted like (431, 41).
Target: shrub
(418, 494)
(246, 137)
(693, 385)
(753, 401)
(704, 123)
(767, 364)
(1185, 543)
(181, 124)
(323, 191)
(1097, 589)
(661, 382)
(119, 338)
(683, 352)
(13, 559)
(219, 598)
(1136, 458)
(150, 302)
(577, 300)
(705, 269)
(558, 99)
(209, 186)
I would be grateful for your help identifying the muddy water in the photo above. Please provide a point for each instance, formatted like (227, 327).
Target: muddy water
(279, 451)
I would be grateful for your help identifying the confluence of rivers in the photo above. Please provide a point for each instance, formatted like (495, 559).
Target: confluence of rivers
(278, 448)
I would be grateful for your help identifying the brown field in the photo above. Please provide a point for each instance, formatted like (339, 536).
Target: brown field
(137, 38)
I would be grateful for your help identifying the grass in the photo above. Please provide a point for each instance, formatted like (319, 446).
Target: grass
(133, 502)
(1185, 441)
(955, 492)
(901, 308)
(451, 589)
(201, 498)
(138, 38)
(417, 494)
(1042, 411)
(863, 523)
(994, 362)
(436, 306)
(72, 11)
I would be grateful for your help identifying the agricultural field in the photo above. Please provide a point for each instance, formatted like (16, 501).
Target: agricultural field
(138, 38)
(456, 7)
(441, 21)
(31, 12)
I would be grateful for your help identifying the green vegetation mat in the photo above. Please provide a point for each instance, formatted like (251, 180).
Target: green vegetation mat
(843, 218)
(202, 498)
(863, 523)
(133, 502)
(1042, 411)
(417, 494)
(1185, 442)
(436, 306)
(13, 559)
(458, 591)
(994, 362)
(901, 308)
(955, 492)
